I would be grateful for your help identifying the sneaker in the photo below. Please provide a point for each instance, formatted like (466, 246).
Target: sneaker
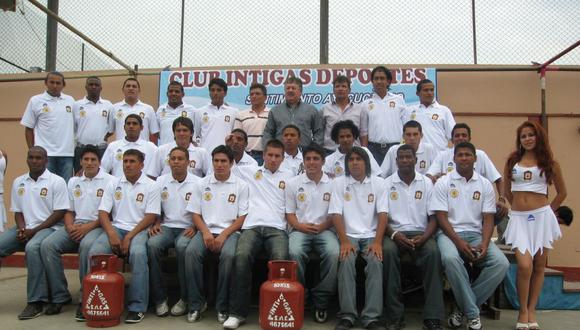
(79, 314)
(375, 325)
(432, 324)
(222, 317)
(455, 319)
(31, 311)
(474, 324)
(162, 309)
(180, 308)
(134, 317)
(343, 324)
(320, 315)
(396, 325)
(53, 309)
(233, 322)
(196, 315)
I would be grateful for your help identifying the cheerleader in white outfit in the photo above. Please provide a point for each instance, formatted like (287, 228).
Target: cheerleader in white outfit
(533, 226)
(3, 164)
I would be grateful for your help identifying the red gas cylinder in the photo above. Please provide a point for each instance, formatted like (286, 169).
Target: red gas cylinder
(282, 297)
(103, 292)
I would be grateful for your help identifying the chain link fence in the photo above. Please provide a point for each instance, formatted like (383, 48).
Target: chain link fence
(266, 32)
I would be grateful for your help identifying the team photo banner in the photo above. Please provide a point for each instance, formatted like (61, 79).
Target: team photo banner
(317, 84)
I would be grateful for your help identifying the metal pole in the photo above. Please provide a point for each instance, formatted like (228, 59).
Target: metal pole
(474, 30)
(324, 31)
(83, 56)
(51, 37)
(13, 64)
(181, 39)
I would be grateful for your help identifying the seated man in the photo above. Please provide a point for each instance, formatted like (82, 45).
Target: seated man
(173, 229)
(264, 227)
(81, 228)
(293, 160)
(358, 208)
(219, 206)
(307, 200)
(410, 229)
(129, 206)
(238, 141)
(39, 201)
(464, 203)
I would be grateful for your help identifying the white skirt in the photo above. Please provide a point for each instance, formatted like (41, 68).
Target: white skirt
(532, 230)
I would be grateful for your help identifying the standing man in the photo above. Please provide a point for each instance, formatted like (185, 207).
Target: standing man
(81, 228)
(253, 121)
(294, 111)
(342, 108)
(91, 117)
(293, 160)
(464, 203)
(307, 200)
(384, 112)
(173, 109)
(219, 206)
(409, 231)
(132, 105)
(48, 123)
(237, 142)
(215, 121)
(436, 119)
(39, 201)
(129, 206)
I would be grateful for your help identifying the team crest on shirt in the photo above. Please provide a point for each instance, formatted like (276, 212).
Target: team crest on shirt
(413, 115)
(371, 198)
(77, 191)
(326, 197)
(392, 104)
(162, 113)
(347, 196)
(371, 105)
(104, 113)
(100, 192)
(394, 195)
(301, 197)
(166, 160)
(227, 119)
(422, 164)
(232, 198)
(43, 192)
(282, 185)
(259, 175)
(119, 114)
(435, 116)
(20, 190)
(119, 154)
(205, 118)
(450, 166)
(418, 194)
(82, 113)
(183, 113)
(207, 196)
(118, 193)
(142, 115)
(192, 163)
(164, 194)
(140, 197)
(45, 108)
(476, 195)
(68, 109)
(187, 197)
(528, 175)
(454, 193)
(338, 170)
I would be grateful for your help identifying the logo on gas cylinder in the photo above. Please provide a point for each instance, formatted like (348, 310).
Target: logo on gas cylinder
(96, 304)
(280, 314)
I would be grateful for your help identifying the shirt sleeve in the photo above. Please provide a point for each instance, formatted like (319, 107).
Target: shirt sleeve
(61, 197)
(290, 195)
(15, 202)
(269, 129)
(156, 166)
(364, 121)
(389, 164)
(438, 200)
(317, 127)
(244, 201)
(436, 167)
(449, 124)
(151, 165)
(489, 171)
(336, 199)
(382, 203)
(488, 197)
(107, 199)
(238, 121)
(154, 200)
(428, 194)
(112, 121)
(29, 117)
(375, 168)
(71, 199)
(194, 205)
(197, 125)
(153, 123)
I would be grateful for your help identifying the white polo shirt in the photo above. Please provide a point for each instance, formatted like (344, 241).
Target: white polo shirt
(174, 197)
(464, 201)
(425, 154)
(246, 160)
(334, 164)
(408, 205)
(213, 125)
(128, 203)
(166, 115)
(113, 157)
(92, 121)
(358, 203)
(51, 119)
(85, 195)
(199, 160)
(122, 109)
(309, 200)
(267, 196)
(436, 121)
(220, 203)
(444, 164)
(37, 200)
(294, 164)
(385, 117)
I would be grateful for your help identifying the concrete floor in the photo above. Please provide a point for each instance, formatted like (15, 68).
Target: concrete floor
(13, 300)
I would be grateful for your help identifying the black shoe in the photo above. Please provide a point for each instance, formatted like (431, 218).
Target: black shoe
(53, 309)
(432, 324)
(320, 315)
(31, 311)
(343, 324)
(79, 314)
(375, 325)
(134, 317)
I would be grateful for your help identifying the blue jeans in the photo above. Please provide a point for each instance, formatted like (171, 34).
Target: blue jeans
(195, 254)
(250, 243)
(258, 157)
(52, 248)
(156, 248)
(494, 266)
(327, 246)
(36, 286)
(138, 293)
(61, 166)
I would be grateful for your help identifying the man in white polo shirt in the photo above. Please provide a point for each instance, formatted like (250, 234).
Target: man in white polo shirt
(237, 142)
(413, 136)
(464, 203)
(214, 122)
(307, 200)
(264, 227)
(39, 201)
(91, 117)
(173, 109)
(113, 157)
(48, 122)
(358, 207)
(81, 229)
(253, 121)
(132, 105)
(218, 206)
(436, 119)
(173, 229)
(293, 160)
(409, 231)
(130, 204)
(384, 113)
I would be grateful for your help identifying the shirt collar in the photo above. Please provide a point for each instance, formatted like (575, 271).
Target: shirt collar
(456, 176)
(85, 100)
(231, 179)
(138, 142)
(127, 104)
(324, 179)
(188, 178)
(100, 175)
(168, 107)
(433, 104)
(298, 155)
(352, 180)
(43, 176)
(49, 97)
(141, 179)
(397, 178)
(266, 109)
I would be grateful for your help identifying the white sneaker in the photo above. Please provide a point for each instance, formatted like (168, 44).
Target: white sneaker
(180, 308)
(162, 309)
(455, 319)
(196, 315)
(474, 324)
(222, 317)
(233, 322)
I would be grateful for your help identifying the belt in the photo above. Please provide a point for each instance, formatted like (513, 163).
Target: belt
(255, 152)
(384, 145)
